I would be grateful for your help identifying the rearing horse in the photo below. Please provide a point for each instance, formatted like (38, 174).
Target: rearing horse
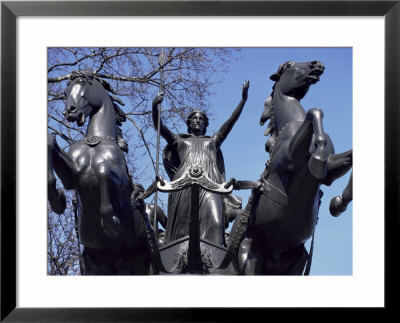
(110, 222)
(284, 208)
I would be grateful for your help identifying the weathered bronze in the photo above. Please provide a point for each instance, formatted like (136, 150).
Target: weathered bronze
(284, 209)
(339, 203)
(194, 255)
(181, 154)
(116, 227)
(109, 220)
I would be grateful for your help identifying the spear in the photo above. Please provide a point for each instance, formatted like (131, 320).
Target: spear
(161, 62)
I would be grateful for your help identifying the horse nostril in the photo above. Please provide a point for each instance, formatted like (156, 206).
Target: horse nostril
(317, 64)
(71, 109)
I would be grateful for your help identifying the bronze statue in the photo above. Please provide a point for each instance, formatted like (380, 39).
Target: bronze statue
(283, 209)
(110, 222)
(281, 215)
(195, 148)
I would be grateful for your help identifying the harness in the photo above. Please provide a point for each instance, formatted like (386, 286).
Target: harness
(281, 198)
(93, 141)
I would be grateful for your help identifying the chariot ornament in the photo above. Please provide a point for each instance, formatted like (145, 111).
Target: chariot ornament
(194, 175)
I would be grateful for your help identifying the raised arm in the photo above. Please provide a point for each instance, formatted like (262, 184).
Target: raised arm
(167, 134)
(226, 128)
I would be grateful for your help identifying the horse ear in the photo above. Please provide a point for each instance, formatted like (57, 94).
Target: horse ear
(274, 77)
(89, 72)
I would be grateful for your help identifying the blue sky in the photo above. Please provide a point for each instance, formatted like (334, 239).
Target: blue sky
(244, 152)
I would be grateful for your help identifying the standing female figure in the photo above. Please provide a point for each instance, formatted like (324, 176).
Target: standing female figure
(195, 148)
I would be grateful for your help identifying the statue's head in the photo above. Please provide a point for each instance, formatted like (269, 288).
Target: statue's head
(197, 122)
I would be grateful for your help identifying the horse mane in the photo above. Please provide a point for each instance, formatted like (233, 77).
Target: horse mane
(120, 116)
(269, 112)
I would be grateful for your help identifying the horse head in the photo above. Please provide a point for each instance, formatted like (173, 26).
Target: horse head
(292, 82)
(85, 95)
(294, 79)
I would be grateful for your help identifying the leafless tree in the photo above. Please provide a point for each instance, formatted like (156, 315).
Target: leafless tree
(63, 250)
(134, 75)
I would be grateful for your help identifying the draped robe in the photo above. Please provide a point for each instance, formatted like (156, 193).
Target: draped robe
(187, 150)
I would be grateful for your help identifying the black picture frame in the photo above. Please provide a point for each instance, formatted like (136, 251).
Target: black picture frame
(10, 10)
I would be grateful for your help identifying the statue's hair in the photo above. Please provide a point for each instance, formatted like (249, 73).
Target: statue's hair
(190, 116)
(120, 116)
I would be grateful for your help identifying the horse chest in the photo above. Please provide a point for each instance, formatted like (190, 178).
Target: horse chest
(87, 158)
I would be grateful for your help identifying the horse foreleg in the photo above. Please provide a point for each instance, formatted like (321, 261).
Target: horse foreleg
(339, 204)
(56, 196)
(338, 165)
(318, 162)
(299, 145)
(109, 221)
(63, 165)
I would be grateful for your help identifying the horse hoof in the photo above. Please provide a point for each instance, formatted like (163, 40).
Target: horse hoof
(111, 226)
(60, 203)
(336, 206)
(317, 166)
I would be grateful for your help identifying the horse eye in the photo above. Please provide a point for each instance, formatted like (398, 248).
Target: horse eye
(289, 64)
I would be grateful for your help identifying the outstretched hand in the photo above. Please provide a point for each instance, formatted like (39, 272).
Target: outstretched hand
(245, 89)
(159, 98)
